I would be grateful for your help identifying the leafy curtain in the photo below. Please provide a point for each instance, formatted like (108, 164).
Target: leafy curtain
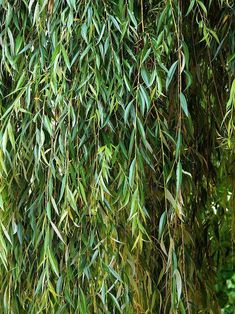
(117, 167)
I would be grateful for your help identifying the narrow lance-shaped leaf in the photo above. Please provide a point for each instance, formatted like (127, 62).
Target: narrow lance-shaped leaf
(171, 73)
(183, 103)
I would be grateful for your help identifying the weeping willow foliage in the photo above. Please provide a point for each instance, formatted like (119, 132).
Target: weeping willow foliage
(117, 169)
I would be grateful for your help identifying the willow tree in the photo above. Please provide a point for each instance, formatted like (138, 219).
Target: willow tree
(116, 156)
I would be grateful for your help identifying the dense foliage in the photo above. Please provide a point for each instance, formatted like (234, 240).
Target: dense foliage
(117, 165)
